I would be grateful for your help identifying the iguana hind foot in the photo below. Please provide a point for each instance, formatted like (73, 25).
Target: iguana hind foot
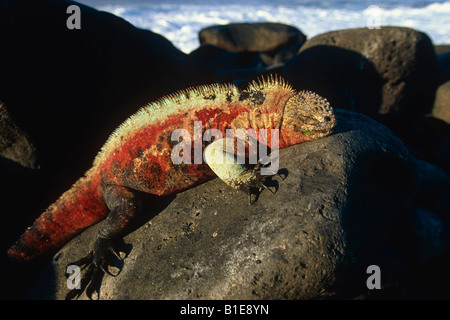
(94, 265)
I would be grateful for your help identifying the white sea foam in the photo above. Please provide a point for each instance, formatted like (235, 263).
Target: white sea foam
(180, 22)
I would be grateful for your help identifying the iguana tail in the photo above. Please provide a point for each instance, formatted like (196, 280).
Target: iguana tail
(78, 208)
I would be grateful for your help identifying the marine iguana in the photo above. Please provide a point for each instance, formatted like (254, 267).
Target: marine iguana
(137, 158)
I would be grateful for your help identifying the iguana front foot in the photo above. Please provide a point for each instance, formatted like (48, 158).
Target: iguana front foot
(259, 183)
(239, 176)
(95, 265)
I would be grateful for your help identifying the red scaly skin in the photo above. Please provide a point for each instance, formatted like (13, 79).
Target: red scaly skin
(138, 154)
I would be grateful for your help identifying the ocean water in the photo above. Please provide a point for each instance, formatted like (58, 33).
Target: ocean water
(180, 21)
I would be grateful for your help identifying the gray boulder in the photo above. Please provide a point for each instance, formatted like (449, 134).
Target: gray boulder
(342, 208)
(256, 37)
(382, 73)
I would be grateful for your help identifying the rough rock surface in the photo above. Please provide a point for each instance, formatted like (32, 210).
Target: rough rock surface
(342, 207)
(257, 37)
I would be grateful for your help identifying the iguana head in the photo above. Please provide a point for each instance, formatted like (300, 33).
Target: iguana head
(307, 116)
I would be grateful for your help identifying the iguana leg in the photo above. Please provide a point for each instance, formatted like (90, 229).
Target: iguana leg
(238, 175)
(124, 206)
